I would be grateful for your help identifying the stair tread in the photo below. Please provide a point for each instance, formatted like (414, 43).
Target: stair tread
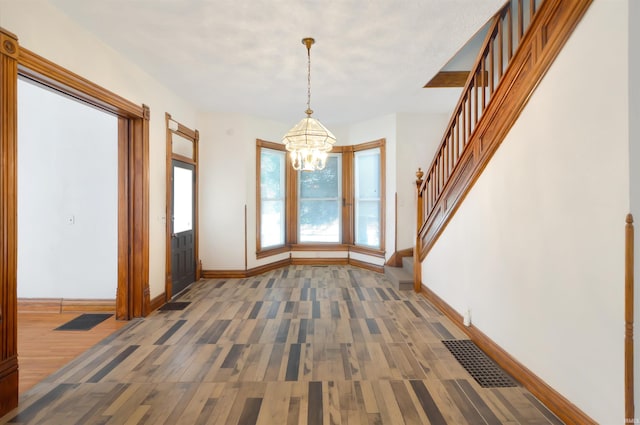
(398, 273)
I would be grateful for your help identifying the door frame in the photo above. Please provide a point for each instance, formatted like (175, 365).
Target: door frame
(174, 127)
(132, 295)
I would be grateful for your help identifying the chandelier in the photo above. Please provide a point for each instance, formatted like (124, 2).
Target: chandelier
(308, 142)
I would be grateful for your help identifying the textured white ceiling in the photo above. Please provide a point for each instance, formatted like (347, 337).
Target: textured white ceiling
(371, 57)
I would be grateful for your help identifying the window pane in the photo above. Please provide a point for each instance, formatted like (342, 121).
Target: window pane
(272, 199)
(271, 174)
(182, 199)
(367, 197)
(368, 223)
(272, 225)
(181, 146)
(320, 200)
(368, 174)
(319, 221)
(321, 184)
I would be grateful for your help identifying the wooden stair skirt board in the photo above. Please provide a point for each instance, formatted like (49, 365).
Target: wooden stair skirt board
(240, 274)
(556, 402)
(65, 305)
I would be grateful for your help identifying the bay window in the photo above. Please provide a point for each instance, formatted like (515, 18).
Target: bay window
(340, 207)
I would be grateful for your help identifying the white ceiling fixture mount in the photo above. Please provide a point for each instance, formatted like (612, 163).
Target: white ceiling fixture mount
(309, 142)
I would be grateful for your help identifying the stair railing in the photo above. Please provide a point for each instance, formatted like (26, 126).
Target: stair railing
(502, 39)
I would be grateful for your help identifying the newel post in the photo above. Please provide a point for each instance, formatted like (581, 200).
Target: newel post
(417, 266)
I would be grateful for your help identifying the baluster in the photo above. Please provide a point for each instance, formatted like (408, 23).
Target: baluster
(456, 148)
(475, 99)
(484, 83)
(500, 47)
(520, 21)
(491, 59)
(532, 10)
(439, 170)
(450, 154)
(510, 34)
(446, 160)
(433, 190)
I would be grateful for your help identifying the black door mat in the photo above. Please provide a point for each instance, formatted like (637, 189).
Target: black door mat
(480, 367)
(84, 322)
(176, 305)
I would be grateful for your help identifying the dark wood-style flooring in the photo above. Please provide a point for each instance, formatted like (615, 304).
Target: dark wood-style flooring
(298, 345)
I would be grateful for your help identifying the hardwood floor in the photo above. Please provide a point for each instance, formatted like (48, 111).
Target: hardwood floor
(43, 350)
(302, 344)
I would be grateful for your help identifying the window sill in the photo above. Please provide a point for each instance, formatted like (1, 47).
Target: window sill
(380, 253)
(268, 252)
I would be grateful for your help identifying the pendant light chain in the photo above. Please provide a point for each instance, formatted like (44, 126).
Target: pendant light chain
(309, 111)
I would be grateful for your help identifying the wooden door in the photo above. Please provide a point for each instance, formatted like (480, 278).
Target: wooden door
(183, 260)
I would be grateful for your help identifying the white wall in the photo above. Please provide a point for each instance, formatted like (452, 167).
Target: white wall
(538, 242)
(67, 197)
(419, 136)
(43, 29)
(228, 183)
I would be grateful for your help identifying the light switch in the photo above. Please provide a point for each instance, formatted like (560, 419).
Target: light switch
(71, 219)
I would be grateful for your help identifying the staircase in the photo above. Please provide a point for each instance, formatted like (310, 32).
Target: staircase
(401, 277)
(524, 38)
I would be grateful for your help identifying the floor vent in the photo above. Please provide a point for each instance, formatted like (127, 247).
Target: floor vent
(480, 367)
(176, 305)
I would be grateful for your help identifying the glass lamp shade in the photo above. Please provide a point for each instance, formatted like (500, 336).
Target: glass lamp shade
(308, 143)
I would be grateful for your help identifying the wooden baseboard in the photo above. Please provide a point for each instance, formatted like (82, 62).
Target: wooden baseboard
(396, 258)
(157, 302)
(319, 261)
(65, 305)
(556, 402)
(241, 274)
(368, 266)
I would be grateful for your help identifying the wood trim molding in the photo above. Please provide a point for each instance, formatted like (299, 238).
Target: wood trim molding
(302, 261)
(133, 196)
(629, 367)
(157, 302)
(9, 53)
(65, 305)
(364, 265)
(194, 136)
(45, 72)
(550, 29)
(396, 258)
(556, 402)
(320, 247)
(241, 274)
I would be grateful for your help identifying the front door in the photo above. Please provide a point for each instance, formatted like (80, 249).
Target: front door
(183, 261)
